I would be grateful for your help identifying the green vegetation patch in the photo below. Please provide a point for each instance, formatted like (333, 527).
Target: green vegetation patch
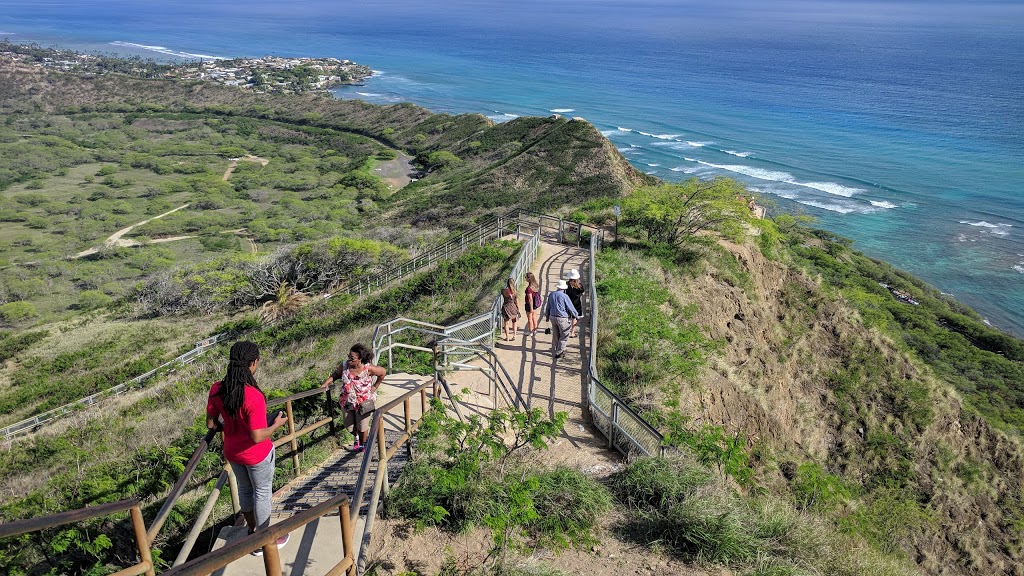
(680, 504)
(474, 473)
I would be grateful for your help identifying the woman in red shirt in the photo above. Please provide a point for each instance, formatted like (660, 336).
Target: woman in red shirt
(238, 404)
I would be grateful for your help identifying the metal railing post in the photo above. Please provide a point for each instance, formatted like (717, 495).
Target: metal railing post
(614, 424)
(197, 528)
(391, 356)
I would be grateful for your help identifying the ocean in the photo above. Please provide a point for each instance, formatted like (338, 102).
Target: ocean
(899, 125)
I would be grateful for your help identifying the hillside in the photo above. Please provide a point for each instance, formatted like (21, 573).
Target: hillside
(887, 417)
(767, 350)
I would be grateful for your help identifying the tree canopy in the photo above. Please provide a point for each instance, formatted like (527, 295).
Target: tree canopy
(673, 213)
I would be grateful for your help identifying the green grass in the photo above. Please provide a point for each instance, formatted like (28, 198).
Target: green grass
(683, 506)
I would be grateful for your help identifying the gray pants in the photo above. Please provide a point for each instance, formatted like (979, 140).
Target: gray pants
(559, 334)
(256, 488)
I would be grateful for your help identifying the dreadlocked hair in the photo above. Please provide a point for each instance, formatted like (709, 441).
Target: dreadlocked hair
(232, 387)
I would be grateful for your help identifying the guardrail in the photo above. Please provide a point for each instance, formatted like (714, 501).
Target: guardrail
(145, 564)
(491, 229)
(625, 430)
(266, 539)
(30, 424)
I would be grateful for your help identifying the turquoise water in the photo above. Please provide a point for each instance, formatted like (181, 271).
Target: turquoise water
(902, 129)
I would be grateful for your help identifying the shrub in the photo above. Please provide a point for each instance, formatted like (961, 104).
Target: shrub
(93, 299)
(814, 488)
(17, 311)
(473, 472)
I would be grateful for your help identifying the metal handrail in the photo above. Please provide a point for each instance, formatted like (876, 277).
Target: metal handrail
(29, 424)
(494, 228)
(618, 407)
(491, 360)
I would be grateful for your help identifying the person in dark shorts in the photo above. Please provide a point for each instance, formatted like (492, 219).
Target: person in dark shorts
(532, 302)
(575, 294)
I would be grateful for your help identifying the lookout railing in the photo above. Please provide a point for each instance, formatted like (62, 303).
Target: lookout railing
(626, 431)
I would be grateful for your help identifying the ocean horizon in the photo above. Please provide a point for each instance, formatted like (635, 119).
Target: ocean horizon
(900, 126)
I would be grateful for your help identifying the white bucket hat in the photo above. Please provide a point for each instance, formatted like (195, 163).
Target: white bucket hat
(574, 274)
(562, 285)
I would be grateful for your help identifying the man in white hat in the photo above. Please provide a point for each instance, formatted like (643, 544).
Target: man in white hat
(558, 310)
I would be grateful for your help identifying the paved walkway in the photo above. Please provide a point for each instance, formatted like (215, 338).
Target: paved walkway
(557, 385)
(552, 385)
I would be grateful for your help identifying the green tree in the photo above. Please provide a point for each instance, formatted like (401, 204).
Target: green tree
(674, 213)
(17, 311)
(93, 299)
(443, 160)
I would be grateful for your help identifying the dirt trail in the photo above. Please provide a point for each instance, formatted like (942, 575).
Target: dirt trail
(246, 158)
(115, 238)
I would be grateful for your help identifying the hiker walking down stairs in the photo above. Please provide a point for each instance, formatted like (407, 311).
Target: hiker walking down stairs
(360, 380)
(558, 310)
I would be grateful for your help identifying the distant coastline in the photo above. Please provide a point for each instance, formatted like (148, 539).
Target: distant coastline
(269, 74)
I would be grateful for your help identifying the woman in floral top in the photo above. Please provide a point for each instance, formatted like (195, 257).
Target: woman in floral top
(359, 383)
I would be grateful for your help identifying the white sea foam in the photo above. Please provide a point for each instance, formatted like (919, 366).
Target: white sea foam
(780, 176)
(607, 133)
(369, 94)
(660, 136)
(735, 153)
(984, 224)
(690, 159)
(997, 229)
(685, 169)
(626, 150)
(654, 165)
(621, 129)
(841, 208)
(165, 50)
(1019, 268)
(883, 204)
(759, 173)
(502, 116)
(635, 146)
(698, 144)
(562, 110)
(831, 188)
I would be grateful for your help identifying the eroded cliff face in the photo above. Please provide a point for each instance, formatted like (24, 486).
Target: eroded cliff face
(800, 374)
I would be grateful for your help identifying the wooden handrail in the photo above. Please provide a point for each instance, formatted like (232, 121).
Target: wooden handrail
(145, 566)
(19, 527)
(179, 486)
(293, 397)
(267, 537)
